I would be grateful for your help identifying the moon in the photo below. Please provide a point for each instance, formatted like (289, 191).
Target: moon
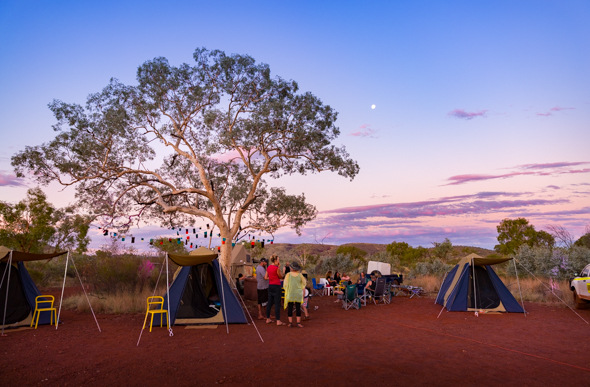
(373, 106)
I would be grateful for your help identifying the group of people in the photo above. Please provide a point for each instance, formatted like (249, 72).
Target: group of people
(368, 284)
(272, 281)
(269, 287)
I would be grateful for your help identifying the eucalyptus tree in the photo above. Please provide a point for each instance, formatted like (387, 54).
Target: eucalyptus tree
(198, 140)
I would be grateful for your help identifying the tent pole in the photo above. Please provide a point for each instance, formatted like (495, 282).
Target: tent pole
(474, 287)
(7, 289)
(565, 303)
(221, 277)
(62, 289)
(170, 333)
(519, 291)
(87, 299)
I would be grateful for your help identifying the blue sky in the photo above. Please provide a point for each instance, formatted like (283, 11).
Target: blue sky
(481, 109)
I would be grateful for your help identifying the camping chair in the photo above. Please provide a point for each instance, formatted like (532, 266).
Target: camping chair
(416, 291)
(318, 290)
(351, 298)
(44, 304)
(380, 294)
(155, 305)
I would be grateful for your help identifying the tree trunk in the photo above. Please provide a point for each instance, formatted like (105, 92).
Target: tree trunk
(225, 259)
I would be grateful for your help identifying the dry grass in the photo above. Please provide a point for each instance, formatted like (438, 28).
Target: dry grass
(116, 303)
(533, 290)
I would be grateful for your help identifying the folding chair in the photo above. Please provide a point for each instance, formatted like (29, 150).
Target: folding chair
(318, 290)
(44, 304)
(351, 298)
(381, 294)
(155, 305)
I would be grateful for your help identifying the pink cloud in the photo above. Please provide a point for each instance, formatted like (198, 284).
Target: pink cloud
(462, 179)
(7, 180)
(460, 113)
(554, 109)
(364, 131)
(546, 169)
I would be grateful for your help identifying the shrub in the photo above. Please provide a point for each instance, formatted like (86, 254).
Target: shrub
(108, 274)
(435, 268)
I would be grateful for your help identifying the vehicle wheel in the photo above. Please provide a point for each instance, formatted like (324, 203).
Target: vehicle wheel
(579, 303)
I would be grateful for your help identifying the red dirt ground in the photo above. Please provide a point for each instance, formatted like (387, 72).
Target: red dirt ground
(400, 343)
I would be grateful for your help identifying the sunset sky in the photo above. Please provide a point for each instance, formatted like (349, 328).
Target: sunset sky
(482, 109)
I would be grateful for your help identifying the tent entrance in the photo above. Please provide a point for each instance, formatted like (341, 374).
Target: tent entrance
(17, 308)
(485, 292)
(200, 298)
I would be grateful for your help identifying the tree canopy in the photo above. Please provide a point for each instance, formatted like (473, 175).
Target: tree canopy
(513, 233)
(191, 141)
(34, 225)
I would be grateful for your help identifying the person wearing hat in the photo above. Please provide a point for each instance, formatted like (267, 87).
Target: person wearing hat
(261, 287)
(294, 285)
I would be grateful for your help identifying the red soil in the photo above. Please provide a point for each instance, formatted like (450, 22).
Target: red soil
(403, 342)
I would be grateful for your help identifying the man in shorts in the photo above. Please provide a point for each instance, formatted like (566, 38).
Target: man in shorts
(261, 287)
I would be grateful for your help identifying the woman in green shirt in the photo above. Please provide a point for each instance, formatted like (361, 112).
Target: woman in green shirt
(294, 285)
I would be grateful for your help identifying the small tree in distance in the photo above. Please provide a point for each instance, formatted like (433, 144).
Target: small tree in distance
(193, 141)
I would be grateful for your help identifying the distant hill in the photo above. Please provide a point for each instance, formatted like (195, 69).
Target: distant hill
(291, 250)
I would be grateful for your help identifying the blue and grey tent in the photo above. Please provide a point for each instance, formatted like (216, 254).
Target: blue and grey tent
(200, 293)
(472, 285)
(17, 289)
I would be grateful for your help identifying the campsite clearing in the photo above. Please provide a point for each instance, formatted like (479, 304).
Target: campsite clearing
(402, 342)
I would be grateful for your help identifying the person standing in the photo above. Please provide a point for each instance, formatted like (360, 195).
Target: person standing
(294, 286)
(286, 269)
(261, 286)
(273, 275)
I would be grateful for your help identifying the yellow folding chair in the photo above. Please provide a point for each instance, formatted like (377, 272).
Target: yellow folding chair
(155, 305)
(44, 304)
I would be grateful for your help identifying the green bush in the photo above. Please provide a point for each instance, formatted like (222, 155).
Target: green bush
(435, 268)
(111, 274)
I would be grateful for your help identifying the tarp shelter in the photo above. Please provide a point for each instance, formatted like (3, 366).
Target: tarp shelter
(200, 293)
(17, 289)
(241, 261)
(472, 285)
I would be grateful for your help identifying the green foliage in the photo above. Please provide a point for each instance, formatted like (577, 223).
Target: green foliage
(584, 241)
(167, 246)
(49, 273)
(542, 261)
(340, 262)
(514, 233)
(34, 225)
(384, 256)
(436, 268)
(356, 254)
(204, 138)
(407, 255)
(441, 250)
(110, 274)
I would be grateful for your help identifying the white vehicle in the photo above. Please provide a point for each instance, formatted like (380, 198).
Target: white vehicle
(580, 285)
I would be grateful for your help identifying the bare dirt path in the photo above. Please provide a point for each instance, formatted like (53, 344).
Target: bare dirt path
(402, 342)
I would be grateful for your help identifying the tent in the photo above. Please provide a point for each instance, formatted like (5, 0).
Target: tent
(17, 289)
(200, 293)
(241, 262)
(472, 285)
